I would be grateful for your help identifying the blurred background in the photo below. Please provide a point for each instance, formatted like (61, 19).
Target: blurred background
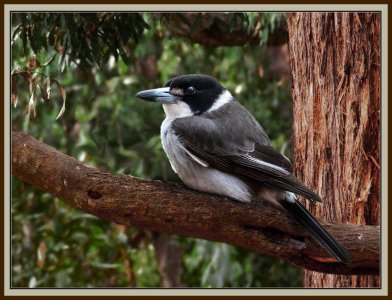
(95, 63)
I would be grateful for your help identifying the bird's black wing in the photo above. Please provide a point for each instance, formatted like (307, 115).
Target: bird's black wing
(249, 166)
(245, 149)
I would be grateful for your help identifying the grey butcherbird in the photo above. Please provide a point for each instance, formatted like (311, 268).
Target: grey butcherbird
(215, 145)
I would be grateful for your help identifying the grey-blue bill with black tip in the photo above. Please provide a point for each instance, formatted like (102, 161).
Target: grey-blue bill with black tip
(161, 95)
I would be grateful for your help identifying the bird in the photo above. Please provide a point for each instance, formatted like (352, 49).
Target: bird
(215, 145)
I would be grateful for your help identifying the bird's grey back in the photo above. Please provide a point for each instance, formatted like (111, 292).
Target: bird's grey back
(217, 130)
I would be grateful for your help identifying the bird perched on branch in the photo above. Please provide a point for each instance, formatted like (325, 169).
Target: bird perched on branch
(215, 145)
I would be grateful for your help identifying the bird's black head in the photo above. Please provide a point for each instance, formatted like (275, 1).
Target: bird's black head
(188, 95)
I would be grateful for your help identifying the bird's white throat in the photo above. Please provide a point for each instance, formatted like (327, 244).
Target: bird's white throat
(177, 110)
(182, 109)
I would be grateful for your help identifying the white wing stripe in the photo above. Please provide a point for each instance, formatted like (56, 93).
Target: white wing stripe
(272, 166)
(196, 159)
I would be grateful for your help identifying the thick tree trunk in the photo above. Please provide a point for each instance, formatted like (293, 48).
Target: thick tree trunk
(335, 63)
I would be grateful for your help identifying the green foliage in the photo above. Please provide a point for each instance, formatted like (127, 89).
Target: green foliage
(220, 265)
(86, 38)
(104, 125)
(69, 249)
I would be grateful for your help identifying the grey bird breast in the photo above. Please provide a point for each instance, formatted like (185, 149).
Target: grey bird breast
(196, 173)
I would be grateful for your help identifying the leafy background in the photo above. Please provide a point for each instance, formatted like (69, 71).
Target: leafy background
(100, 61)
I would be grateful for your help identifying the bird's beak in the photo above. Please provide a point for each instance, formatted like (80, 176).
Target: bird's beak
(158, 95)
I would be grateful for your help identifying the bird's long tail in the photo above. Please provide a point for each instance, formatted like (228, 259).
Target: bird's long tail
(317, 231)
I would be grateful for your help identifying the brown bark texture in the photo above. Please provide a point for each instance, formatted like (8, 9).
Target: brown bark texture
(172, 208)
(335, 64)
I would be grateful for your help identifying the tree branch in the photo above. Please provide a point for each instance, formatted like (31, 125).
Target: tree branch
(213, 29)
(172, 208)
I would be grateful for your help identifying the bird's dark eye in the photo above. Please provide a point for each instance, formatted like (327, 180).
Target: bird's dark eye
(190, 90)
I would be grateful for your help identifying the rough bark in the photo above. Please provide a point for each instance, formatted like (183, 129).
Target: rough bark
(172, 208)
(335, 65)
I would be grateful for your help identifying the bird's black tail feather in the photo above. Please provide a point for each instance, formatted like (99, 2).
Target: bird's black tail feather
(317, 231)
